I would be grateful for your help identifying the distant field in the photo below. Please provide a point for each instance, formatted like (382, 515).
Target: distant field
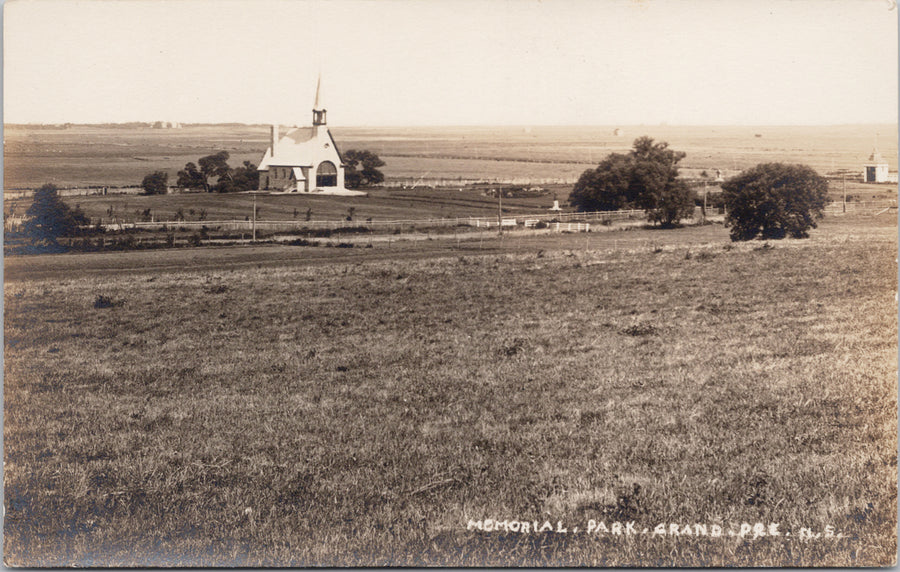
(84, 155)
(314, 406)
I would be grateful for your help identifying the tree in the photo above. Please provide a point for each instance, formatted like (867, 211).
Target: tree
(191, 178)
(646, 178)
(155, 183)
(369, 175)
(245, 178)
(215, 165)
(605, 188)
(774, 200)
(49, 218)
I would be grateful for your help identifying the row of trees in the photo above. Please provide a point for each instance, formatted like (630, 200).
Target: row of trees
(772, 200)
(198, 176)
(361, 170)
(228, 180)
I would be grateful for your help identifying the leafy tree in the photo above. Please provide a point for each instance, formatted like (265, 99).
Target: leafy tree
(191, 178)
(245, 178)
(369, 173)
(646, 178)
(774, 200)
(49, 218)
(215, 165)
(155, 183)
(606, 188)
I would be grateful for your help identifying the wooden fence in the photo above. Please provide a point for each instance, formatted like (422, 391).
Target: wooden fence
(381, 225)
(408, 225)
(860, 207)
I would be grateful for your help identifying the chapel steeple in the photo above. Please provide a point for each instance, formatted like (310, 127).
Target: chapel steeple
(318, 112)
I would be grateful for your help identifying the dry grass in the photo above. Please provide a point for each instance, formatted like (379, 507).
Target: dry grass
(360, 413)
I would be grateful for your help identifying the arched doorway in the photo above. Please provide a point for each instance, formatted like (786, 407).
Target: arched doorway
(326, 174)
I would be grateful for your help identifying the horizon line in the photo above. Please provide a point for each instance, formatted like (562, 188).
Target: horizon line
(455, 125)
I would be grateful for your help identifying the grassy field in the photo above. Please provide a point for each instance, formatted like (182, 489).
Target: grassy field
(94, 155)
(380, 205)
(278, 406)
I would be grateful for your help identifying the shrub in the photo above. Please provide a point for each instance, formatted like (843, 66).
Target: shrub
(640, 330)
(102, 301)
(127, 242)
(302, 242)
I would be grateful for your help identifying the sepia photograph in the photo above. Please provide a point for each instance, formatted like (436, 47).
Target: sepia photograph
(450, 283)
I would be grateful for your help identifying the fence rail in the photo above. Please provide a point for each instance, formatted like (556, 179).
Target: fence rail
(860, 207)
(525, 220)
(407, 182)
(478, 222)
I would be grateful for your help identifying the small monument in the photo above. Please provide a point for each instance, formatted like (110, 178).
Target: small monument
(555, 208)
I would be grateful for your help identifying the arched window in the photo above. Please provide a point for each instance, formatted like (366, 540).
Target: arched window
(326, 174)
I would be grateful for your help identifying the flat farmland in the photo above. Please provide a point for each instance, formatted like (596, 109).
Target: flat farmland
(313, 406)
(118, 156)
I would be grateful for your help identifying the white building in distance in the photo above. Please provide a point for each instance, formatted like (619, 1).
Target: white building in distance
(304, 160)
(876, 169)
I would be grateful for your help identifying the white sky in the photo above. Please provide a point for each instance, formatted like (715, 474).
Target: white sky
(452, 62)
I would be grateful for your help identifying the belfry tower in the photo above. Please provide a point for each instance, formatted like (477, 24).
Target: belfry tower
(318, 112)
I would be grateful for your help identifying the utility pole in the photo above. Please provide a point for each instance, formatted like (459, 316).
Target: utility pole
(843, 173)
(703, 210)
(844, 188)
(254, 193)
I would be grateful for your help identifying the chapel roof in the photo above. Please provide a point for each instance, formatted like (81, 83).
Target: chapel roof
(298, 147)
(876, 157)
(299, 135)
